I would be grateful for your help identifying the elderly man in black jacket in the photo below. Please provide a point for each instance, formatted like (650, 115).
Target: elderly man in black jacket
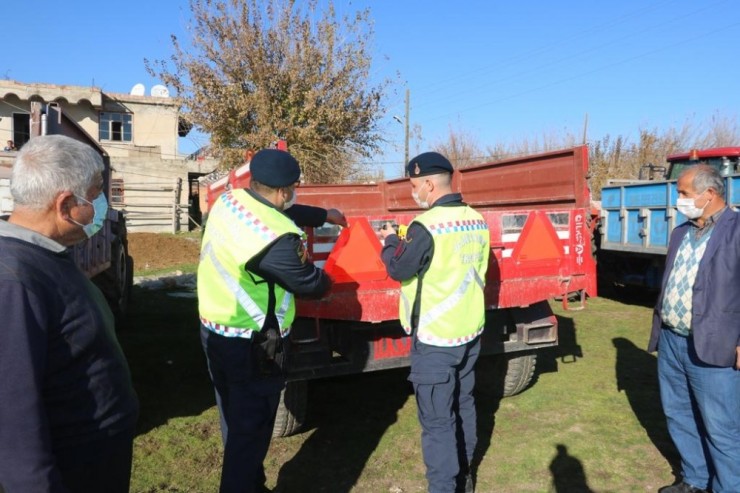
(67, 407)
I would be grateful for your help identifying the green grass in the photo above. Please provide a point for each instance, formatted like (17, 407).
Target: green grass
(591, 422)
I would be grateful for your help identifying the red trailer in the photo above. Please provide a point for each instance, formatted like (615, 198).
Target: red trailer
(538, 211)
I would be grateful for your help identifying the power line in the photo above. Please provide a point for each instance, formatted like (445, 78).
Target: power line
(439, 85)
(423, 98)
(588, 72)
(540, 68)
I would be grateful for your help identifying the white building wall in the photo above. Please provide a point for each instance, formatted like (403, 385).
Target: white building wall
(6, 201)
(155, 122)
(149, 165)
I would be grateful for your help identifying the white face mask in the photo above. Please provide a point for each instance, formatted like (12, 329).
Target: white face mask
(292, 200)
(688, 207)
(100, 206)
(421, 203)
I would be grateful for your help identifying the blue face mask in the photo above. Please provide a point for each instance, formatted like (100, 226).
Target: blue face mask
(100, 206)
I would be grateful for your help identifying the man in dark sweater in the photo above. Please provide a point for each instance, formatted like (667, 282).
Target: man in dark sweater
(67, 406)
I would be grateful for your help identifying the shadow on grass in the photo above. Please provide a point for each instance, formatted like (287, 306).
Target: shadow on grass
(490, 382)
(568, 475)
(568, 351)
(489, 385)
(629, 295)
(161, 342)
(637, 376)
(567, 472)
(348, 415)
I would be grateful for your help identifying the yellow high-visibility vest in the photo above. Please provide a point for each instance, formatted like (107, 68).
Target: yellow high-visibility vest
(452, 306)
(232, 301)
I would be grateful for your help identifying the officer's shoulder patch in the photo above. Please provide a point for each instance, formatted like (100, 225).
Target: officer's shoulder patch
(302, 252)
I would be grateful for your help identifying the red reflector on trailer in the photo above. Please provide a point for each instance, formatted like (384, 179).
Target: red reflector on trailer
(356, 254)
(538, 240)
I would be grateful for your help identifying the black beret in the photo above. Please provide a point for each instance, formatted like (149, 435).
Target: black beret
(274, 168)
(428, 163)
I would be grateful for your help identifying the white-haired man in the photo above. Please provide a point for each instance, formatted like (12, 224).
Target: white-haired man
(67, 406)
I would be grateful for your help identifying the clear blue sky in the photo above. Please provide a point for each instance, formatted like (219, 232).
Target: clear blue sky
(501, 71)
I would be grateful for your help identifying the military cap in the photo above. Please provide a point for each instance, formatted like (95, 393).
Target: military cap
(428, 163)
(274, 168)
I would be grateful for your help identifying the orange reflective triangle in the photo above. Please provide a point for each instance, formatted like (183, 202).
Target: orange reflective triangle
(538, 240)
(356, 254)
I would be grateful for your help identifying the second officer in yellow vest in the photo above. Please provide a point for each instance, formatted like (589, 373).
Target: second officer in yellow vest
(253, 261)
(441, 264)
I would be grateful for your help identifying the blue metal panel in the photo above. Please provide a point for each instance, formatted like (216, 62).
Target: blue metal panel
(658, 234)
(653, 197)
(634, 223)
(643, 262)
(733, 191)
(673, 194)
(647, 195)
(614, 227)
(610, 197)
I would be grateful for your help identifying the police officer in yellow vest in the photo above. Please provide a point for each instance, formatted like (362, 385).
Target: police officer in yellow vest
(252, 262)
(441, 264)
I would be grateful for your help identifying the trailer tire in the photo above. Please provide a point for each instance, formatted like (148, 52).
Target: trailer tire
(291, 412)
(115, 282)
(518, 372)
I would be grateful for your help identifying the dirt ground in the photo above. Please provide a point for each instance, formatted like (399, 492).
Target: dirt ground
(153, 251)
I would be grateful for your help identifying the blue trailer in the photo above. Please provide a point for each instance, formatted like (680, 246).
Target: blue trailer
(637, 217)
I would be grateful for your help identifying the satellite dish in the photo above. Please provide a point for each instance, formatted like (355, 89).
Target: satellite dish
(160, 91)
(138, 90)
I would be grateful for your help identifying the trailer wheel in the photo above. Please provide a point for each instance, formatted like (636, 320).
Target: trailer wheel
(291, 412)
(516, 372)
(116, 281)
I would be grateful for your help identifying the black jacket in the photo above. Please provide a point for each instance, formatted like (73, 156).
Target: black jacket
(284, 261)
(65, 380)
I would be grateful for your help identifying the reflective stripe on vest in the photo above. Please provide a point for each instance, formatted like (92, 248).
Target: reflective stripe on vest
(432, 315)
(451, 300)
(246, 301)
(232, 301)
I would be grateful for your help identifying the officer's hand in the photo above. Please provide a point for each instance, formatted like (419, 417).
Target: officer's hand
(334, 216)
(737, 361)
(386, 230)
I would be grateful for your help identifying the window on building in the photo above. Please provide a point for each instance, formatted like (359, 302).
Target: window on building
(116, 126)
(21, 129)
(116, 192)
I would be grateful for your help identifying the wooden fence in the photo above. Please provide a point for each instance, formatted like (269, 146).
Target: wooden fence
(155, 206)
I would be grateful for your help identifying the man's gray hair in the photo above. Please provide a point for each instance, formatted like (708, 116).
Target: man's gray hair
(51, 164)
(708, 177)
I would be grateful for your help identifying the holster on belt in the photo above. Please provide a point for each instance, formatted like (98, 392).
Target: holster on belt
(267, 351)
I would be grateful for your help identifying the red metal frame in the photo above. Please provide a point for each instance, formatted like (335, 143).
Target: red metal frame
(705, 153)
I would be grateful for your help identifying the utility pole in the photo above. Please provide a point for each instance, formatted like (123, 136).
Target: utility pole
(406, 138)
(405, 124)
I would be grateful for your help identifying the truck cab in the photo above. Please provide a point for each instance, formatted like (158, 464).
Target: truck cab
(724, 159)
